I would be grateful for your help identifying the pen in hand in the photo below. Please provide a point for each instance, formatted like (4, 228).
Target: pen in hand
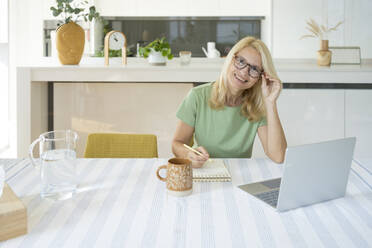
(196, 151)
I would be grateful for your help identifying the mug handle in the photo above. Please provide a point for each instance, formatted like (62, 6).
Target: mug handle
(158, 175)
(31, 151)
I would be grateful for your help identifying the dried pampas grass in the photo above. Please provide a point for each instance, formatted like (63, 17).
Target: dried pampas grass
(318, 31)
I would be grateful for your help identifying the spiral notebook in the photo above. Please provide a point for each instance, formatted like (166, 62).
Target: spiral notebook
(212, 171)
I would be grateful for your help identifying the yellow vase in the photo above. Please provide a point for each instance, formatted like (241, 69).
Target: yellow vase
(324, 58)
(70, 39)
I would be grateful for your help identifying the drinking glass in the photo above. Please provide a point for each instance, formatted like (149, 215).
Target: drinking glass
(185, 57)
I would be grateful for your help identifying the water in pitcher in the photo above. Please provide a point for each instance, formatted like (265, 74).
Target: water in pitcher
(58, 174)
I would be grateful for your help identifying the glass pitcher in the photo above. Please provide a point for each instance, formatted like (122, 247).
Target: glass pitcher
(57, 163)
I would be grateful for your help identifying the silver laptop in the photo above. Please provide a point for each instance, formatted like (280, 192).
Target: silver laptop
(312, 173)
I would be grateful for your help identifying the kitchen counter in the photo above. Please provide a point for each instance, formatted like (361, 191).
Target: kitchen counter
(33, 102)
(199, 70)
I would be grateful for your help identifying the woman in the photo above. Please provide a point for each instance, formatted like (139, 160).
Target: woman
(225, 116)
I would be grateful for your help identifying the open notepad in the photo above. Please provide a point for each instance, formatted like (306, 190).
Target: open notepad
(212, 171)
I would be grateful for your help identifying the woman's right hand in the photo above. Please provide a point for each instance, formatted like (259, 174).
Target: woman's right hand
(198, 160)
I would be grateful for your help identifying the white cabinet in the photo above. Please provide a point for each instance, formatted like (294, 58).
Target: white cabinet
(358, 120)
(117, 7)
(183, 8)
(309, 116)
(312, 115)
(244, 8)
(153, 8)
(119, 107)
(168, 7)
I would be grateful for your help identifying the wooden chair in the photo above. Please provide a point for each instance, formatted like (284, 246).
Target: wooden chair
(118, 145)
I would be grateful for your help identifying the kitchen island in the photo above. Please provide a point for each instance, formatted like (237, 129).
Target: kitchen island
(317, 103)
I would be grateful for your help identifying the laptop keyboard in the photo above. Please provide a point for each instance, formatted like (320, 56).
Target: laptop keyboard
(270, 197)
(273, 183)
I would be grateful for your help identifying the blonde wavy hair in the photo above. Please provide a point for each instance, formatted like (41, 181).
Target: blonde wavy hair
(252, 101)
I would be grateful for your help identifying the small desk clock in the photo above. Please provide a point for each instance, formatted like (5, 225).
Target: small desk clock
(115, 40)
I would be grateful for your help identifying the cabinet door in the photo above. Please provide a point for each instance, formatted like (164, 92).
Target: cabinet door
(358, 121)
(117, 7)
(182, 8)
(119, 107)
(309, 116)
(144, 8)
(165, 8)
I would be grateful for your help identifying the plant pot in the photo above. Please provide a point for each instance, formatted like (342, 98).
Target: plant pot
(156, 58)
(324, 56)
(70, 39)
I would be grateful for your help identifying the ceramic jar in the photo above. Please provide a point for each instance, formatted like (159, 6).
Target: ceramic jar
(70, 39)
(324, 56)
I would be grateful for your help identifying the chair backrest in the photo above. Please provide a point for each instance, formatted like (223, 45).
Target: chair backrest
(119, 145)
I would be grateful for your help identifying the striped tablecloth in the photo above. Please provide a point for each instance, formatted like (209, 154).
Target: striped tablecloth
(363, 169)
(13, 167)
(121, 203)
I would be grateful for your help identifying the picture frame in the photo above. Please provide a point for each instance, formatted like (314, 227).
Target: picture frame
(345, 55)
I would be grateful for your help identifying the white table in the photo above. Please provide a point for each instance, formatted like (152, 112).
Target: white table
(363, 169)
(121, 203)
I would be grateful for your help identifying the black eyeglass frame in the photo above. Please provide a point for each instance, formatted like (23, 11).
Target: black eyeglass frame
(249, 67)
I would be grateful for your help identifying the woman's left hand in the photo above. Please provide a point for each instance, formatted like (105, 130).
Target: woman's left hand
(271, 88)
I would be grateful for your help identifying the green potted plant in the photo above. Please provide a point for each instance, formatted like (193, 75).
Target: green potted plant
(157, 52)
(70, 36)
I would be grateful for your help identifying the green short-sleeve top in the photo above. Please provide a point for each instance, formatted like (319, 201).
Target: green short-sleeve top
(224, 133)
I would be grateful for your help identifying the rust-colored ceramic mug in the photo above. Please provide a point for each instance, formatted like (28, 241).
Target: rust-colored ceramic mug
(179, 176)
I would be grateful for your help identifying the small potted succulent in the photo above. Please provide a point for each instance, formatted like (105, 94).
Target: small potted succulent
(321, 32)
(70, 36)
(157, 52)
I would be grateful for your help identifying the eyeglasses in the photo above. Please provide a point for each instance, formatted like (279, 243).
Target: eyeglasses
(240, 64)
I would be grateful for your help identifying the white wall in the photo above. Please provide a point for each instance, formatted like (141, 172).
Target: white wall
(4, 70)
(289, 21)
(358, 31)
(3, 21)
(26, 30)
(25, 46)
(4, 125)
